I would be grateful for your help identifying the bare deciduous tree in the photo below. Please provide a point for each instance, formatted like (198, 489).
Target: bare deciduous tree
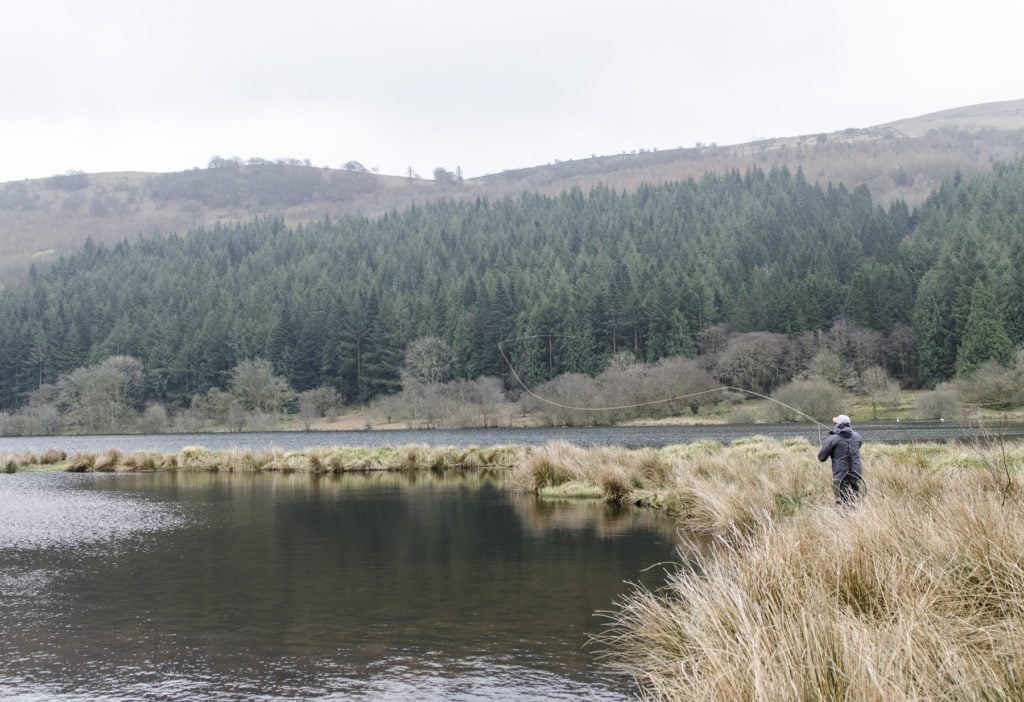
(317, 403)
(879, 388)
(429, 360)
(100, 397)
(829, 366)
(816, 398)
(941, 403)
(753, 361)
(859, 347)
(154, 418)
(256, 387)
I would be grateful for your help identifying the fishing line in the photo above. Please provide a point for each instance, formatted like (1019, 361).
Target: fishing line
(676, 398)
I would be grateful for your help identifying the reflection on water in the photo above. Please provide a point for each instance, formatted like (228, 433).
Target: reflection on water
(386, 586)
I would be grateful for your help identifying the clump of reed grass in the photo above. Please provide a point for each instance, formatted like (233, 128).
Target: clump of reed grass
(81, 463)
(52, 456)
(501, 456)
(412, 456)
(142, 461)
(9, 464)
(287, 463)
(194, 458)
(756, 440)
(655, 468)
(108, 461)
(551, 465)
(252, 461)
(616, 487)
(617, 473)
(706, 446)
(316, 463)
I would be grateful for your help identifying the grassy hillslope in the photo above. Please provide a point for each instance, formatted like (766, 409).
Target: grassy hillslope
(1006, 115)
(44, 218)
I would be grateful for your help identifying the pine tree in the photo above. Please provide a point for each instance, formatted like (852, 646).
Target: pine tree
(933, 329)
(984, 335)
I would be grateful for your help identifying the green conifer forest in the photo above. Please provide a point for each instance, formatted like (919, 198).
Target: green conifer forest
(659, 271)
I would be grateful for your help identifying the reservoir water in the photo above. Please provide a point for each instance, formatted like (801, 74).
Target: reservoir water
(355, 587)
(630, 437)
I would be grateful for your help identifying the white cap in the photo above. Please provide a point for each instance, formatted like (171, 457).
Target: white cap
(840, 420)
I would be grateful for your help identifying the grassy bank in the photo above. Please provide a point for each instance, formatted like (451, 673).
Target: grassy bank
(917, 593)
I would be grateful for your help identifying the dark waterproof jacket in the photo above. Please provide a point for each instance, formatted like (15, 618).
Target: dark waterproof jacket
(843, 447)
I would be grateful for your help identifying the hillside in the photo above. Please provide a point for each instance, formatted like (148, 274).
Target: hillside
(758, 273)
(42, 219)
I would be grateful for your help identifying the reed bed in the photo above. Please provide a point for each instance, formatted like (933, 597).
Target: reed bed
(315, 461)
(12, 463)
(706, 487)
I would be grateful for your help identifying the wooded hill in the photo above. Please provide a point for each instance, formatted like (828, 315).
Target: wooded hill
(661, 270)
(43, 219)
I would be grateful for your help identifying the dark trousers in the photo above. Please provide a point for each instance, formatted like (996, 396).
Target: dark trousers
(846, 488)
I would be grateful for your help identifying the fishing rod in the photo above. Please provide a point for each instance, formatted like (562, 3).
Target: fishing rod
(722, 388)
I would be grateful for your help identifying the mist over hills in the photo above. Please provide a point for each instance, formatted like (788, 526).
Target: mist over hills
(902, 160)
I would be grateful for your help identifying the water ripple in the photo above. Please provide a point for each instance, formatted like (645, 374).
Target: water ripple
(41, 512)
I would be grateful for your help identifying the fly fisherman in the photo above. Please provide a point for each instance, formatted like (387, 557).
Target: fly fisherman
(843, 446)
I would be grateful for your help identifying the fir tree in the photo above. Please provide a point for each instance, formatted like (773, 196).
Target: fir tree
(984, 335)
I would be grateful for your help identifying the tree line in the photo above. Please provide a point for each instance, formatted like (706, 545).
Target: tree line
(571, 281)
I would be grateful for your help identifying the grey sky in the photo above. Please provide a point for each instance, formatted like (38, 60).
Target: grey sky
(160, 86)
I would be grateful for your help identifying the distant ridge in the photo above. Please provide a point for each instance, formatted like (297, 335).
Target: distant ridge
(1007, 115)
(905, 159)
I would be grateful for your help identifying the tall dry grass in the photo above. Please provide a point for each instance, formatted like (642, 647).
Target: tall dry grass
(916, 593)
(317, 461)
(11, 463)
(705, 486)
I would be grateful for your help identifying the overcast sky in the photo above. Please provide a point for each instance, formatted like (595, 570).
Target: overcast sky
(160, 86)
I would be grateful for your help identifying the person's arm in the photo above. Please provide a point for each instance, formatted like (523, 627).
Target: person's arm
(826, 448)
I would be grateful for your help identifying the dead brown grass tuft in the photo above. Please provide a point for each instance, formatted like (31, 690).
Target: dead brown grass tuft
(51, 456)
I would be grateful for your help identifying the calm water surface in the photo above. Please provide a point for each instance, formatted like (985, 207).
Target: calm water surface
(630, 437)
(240, 587)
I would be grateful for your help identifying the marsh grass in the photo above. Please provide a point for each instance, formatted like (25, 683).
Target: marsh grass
(52, 456)
(916, 593)
(314, 461)
(12, 463)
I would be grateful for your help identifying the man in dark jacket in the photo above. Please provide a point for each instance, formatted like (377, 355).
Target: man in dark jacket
(843, 446)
